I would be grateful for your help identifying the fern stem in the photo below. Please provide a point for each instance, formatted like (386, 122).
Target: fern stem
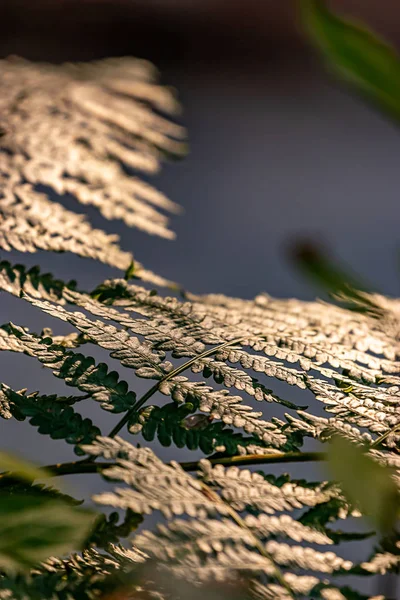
(259, 459)
(385, 435)
(80, 467)
(126, 418)
(128, 415)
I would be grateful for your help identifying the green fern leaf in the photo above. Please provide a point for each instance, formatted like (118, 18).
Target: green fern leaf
(52, 416)
(77, 370)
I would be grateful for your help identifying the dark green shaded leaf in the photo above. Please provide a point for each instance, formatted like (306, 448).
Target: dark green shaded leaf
(184, 427)
(335, 280)
(34, 527)
(15, 278)
(20, 469)
(108, 530)
(51, 416)
(367, 484)
(78, 370)
(11, 487)
(357, 55)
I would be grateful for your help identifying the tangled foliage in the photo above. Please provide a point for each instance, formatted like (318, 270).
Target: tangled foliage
(217, 360)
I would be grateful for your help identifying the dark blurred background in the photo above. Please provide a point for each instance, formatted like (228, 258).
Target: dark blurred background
(278, 151)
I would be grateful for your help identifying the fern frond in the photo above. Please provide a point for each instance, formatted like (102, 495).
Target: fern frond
(109, 530)
(307, 587)
(181, 426)
(69, 127)
(60, 135)
(8, 341)
(154, 485)
(240, 380)
(219, 404)
(320, 332)
(214, 542)
(179, 536)
(287, 527)
(38, 224)
(323, 429)
(157, 331)
(83, 576)
(279, 325)
(358, 404)
(235, 558)
(383, 562)
(307, 558)
(173, 330)
(302, 585)
(146, 358)
(75, 369)
(182, 316)
(317, 327)
(246, 489)
(169, 541)
(14, 278)
(33, 223)
(127, 349)
(52, 416)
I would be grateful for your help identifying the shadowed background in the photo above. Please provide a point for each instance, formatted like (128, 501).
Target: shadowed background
(278, 151)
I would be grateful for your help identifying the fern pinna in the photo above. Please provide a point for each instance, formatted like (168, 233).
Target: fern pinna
(212, 362)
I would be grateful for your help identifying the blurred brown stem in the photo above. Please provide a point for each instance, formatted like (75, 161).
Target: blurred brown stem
(84, 466)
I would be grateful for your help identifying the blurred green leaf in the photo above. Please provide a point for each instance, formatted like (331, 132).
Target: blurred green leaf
(34, 527)
(18, 487)
(20, 469)
(334, 279)
(36, 524)
(366, 483)
(358, 56)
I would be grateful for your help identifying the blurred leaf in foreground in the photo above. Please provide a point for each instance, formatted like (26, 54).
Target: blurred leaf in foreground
(366, 483)
(358, 56)
(20, 469)
(315, 263)
(33, 528)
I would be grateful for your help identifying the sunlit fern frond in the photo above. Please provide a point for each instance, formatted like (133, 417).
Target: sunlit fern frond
(273, 530)
(214, 541)
(83, 130)
(235, 345)
(77, 370)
